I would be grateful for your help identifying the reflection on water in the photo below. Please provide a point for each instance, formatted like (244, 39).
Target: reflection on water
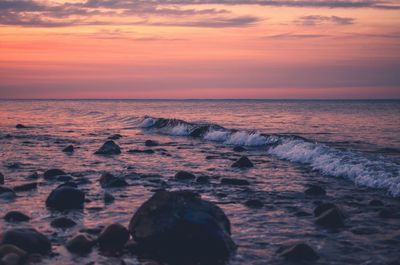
(279, 184)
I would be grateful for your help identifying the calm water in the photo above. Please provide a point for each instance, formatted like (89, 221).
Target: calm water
(352, 148)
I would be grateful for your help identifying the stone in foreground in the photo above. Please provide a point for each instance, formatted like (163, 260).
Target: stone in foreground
(180, 227)
(243, 163)
(28, 240)
(113, 237)
(65, 198)
(298, 253)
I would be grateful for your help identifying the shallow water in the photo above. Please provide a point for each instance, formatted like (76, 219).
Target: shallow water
(351, 148)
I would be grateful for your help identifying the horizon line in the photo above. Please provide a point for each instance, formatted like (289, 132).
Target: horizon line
(183, 99)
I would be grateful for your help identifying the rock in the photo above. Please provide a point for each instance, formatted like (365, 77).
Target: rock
(7, 193)
(8, 249)
(109, 148)
(68, 149)
(80, 244)
(184, 175)
(203, 179)
(137, 151)
(62, 222)
(11, 259)
(320, 209)
(115, 136)
(51, 174)
(150, 143)
(239, 149)
(64, 198)
(26, 187)
(27, 239)
(1, 179)
(108, 180)
(331, 218)
(375, 203)
(236, 182)
(314, 190)
(298, 253)
(180, 227)
(254, 203)
(243, 162)
(65, 178)
(34, 175)
(113, 237)
(108, 198)
(15, 216)
(20, 126)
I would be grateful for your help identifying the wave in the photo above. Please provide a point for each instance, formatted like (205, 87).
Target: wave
(376, 172)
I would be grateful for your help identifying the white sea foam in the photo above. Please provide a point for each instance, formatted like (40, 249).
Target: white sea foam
(332, 162)
(147, 122)
(178, 130)
(246, 138)
(218, 136)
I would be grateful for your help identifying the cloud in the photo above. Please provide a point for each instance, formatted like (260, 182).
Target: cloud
(294, 36)
(314, 20)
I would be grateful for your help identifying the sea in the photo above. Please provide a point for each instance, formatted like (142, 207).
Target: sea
(351, 148)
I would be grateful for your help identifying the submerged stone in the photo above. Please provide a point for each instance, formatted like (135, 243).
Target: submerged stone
(298, 253)
(314, 190)
(15, 216)
(68, 149)
(109, 148)
(331, 218)
(52, 174)
(65, 198)
(27, 239)
(26, 187)
(108, 180)
(62, 222)
(184, 175)
(151, 143)
(235, 182)
(1, 179)
(243, 162)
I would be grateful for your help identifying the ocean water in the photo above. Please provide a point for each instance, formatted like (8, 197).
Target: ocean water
(351, 148)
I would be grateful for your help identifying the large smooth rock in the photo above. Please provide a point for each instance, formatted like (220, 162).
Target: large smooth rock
(109, 148)
(65, 197)
(113, 237)
(15, 216)
(243, 162)
(298, 253)
(108, 180)
(28, 240)
(180, 227)
(52, 174)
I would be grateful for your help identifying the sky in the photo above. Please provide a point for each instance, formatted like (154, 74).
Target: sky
(274, 49)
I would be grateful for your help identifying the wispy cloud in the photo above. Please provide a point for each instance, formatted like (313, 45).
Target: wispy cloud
(315, 20)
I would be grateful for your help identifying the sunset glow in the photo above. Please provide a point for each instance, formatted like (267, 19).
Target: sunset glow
(199, 49)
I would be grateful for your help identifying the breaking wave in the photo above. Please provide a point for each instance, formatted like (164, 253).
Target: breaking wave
(377, 172)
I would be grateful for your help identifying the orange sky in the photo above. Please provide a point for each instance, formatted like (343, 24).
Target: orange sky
(240, 49)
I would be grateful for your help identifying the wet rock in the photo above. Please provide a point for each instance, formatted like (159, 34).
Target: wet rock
(375, 203)
(6, 250)
(27, 239)
(314, 190)
(115, 136)
(109, 148)
(137, 151)
(62, 222)
(1, 179)
(320, 209)
(113, 237)
(64, 178)
(302, 214)
(7, 193)
(80, 244)
(331, 218)
(108, 180)
(298, 253)
(34, 175)
(239, 149)
(150, 143)
(15, 216)
(64, 198)
(203, 179)
(20, 126)
(52, 174)
(235, 182)
(181, 227)
(243, 162)
(11, 259)
(108, 198)
(15, 165)
(254, 203)
(68, 149)
(26, 187)
(184, 175)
